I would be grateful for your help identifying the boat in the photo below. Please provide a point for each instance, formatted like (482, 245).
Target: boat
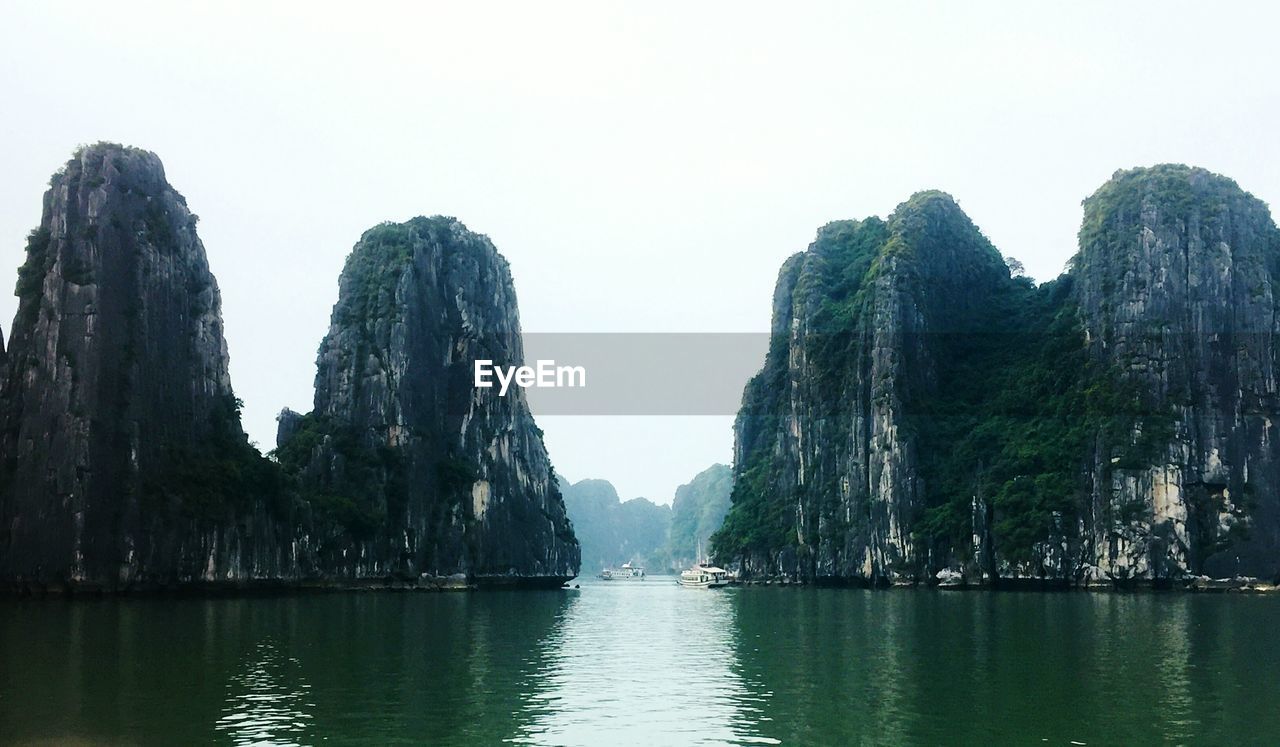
(627, 572)
(703, 576)
(949, 578)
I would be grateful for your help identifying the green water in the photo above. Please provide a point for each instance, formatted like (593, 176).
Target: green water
(644, 663)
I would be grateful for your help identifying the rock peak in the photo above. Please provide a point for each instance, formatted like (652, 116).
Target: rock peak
(440, 477)
(117, 405)
(920, 411)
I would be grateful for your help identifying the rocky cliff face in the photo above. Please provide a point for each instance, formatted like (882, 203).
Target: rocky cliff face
(123, 458)
(828, 480)
(123, 464)
(414, 469)
(1177, 270)
(922, 412)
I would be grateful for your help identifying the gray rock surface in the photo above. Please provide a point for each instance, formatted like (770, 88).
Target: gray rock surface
(1177, 286)
(116, 405)
(427, 473)
(1173, 290)
(827, 418)
(123, 465)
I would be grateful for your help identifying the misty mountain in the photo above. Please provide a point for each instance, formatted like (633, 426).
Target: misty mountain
(697, 512)
(612, 531)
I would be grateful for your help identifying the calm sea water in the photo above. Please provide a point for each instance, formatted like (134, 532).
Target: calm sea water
(644, 663)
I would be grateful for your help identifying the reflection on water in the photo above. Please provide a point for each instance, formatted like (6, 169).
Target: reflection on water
(1173, 665)
(266, 702)
(643, 663)
(928, 667)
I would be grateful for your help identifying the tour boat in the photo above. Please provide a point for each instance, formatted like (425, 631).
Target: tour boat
(627, 572)
(704, 577)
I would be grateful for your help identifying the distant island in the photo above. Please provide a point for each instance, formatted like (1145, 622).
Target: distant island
(661, 538)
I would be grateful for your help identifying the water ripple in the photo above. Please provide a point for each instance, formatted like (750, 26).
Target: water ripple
(643, 663)
(267, 701)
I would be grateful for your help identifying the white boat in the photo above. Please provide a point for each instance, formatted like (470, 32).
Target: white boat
(703, 577)
(627, 572)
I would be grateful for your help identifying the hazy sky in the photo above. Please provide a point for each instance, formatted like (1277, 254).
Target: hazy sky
(643, 166)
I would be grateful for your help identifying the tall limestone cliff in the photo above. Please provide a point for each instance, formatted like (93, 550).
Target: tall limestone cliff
(828, 482)
(921, 411)
(123, 458)
(123, 464)
(1177, 285)
(421, 471)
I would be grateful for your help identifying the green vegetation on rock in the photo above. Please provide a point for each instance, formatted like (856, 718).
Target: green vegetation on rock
(1013, 419)
(225, 475)
(367, 485)
(990, 381)
(372, 273)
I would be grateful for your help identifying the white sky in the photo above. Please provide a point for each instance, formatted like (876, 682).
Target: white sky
(643, 166)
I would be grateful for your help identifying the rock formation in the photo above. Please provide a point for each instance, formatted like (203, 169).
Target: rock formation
(921, 411)
(1177, 271)
(123, 458)
(123, 464)
(421, 471)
